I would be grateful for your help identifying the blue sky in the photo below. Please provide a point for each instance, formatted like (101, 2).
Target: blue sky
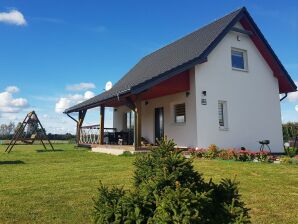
(54, 51)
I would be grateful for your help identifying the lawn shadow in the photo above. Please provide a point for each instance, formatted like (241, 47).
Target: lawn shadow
(12, 162)
(49, 150)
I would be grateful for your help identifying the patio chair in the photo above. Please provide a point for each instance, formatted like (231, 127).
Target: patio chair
(112, 138)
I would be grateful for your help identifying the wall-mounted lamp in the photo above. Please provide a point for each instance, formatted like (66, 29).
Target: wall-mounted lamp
(115, 109)
(187, 94)
(238, 38)
(203, 99)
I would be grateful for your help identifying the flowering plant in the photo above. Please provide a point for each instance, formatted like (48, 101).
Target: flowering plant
(242, 154)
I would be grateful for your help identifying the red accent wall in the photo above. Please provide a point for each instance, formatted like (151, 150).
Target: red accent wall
(176, 84)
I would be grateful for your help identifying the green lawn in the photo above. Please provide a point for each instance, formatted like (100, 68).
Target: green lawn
(57, 187)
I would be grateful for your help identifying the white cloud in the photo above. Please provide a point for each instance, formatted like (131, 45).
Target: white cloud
(296, 108)
(9, 116)
(14, 17)
(70, 100)
(12, 89)
(9, 104)
(81, 86)
(88, 95)
(292, 97)
(62, 104)
(19, 102)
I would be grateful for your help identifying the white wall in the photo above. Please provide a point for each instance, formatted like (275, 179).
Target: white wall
(252, 98)
(118, 118)
(252, 103)
(183, 134)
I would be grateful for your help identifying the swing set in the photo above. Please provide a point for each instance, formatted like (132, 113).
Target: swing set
(34, 127)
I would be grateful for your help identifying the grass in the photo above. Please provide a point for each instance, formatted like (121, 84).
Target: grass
(57, 187)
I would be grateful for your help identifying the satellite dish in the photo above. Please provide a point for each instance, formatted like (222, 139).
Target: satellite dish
(108, 86)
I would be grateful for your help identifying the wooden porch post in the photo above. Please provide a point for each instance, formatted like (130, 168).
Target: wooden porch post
(82, 114)
(102, 124)
(138, 123)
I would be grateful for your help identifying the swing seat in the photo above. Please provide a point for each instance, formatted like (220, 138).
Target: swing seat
(29, 140)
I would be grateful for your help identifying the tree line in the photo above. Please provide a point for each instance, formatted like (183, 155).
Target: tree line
(290, 131)
(7, 131)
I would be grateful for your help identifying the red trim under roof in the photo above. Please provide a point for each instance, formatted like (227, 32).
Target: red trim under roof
(178, 83)
(286, 84)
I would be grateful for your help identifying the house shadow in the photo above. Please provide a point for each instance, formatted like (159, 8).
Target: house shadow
(12, 162)
(49, 150)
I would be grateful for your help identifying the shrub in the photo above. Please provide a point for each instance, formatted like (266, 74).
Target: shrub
(289, 160)
(211, 152)
(291, 151)
(195, 152)
(200, 153)
(263, 156)
(127, 154)
(228, 154)
(167, 189)
(244, 155)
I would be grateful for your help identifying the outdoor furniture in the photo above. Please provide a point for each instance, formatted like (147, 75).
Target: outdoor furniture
(37, 130)
(122, 137)
(30, 140)
(111, 138)
(264, 143)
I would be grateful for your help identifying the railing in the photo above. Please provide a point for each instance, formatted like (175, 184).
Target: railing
(91, 134)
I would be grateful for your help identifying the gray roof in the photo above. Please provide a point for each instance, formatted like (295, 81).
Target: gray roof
(185, 51)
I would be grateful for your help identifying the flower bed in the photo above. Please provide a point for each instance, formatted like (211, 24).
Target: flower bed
(243, 155)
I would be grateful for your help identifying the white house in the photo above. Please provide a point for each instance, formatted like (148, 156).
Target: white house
(218, 85)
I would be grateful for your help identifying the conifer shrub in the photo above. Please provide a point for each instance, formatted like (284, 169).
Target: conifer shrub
(167, 189)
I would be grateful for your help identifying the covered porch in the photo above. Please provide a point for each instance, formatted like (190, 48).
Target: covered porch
(130, 138)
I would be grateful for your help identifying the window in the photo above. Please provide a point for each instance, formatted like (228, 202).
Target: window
(129, 125)
(179, 113)
(222, 115)
(130, 120)
(239, 59)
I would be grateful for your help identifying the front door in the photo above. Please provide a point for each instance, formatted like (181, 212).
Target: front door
(159, 124)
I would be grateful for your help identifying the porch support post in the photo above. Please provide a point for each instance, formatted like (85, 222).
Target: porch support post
(82, 114)
(102, 124)
(138, 122)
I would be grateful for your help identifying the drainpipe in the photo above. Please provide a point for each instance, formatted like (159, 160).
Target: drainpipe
(285, 96)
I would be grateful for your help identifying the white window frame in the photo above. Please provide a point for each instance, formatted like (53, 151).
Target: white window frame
(245, 59)
(174, 110)
(224, 114)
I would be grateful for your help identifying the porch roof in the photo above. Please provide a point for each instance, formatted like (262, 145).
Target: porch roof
(183, 54)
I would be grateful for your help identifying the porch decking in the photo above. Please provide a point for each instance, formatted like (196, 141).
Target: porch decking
(89, 137)
(118, 149)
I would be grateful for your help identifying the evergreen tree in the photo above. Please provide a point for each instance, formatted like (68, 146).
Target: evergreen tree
(167, 189)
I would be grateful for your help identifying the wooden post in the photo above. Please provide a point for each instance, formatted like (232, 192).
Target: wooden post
(138, 123)
(82, 114)
(102, 125)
